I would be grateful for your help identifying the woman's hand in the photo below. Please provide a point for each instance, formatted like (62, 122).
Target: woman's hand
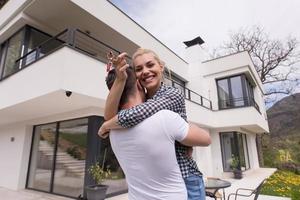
(120, 65)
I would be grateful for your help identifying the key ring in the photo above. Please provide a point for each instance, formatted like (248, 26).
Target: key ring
(111, 59)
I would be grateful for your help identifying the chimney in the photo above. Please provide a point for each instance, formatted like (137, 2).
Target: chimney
(194, 52)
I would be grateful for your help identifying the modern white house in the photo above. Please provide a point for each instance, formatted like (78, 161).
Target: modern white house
(52, 95)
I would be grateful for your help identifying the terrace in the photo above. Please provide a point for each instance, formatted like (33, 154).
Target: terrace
(251, 181)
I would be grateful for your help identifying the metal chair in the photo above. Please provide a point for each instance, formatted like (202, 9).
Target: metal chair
(256, 191)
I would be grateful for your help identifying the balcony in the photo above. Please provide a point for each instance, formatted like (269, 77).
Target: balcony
(53, 67)
(57, 68)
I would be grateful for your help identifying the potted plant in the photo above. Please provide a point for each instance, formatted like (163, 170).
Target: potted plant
(98, 174)
(236, 167)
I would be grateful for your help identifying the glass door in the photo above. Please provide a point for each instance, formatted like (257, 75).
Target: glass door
(70, 157)
(234, 145)
(58, 154)
(41, 163)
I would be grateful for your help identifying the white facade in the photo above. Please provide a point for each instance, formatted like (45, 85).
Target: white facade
(36, 95)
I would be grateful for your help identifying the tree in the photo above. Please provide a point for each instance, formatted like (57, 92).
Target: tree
(274, 60)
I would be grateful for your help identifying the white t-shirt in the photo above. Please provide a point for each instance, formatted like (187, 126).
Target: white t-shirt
(146, 154)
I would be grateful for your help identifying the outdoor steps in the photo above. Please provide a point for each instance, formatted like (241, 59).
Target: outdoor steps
(72, 166)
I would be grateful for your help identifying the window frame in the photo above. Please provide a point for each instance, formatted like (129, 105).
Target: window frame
(246, 86)
(24, 45)
(244, 146)
(93, 145)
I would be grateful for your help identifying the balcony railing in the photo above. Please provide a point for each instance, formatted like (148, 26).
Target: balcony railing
(191, 95)
(91, 46)
(238, 102)
(70, 37)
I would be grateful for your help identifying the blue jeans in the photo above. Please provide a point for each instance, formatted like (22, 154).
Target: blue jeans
(195, 187)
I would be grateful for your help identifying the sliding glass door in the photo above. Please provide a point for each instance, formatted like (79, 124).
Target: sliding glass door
(234, 145)
(61, 153)
(42, 155)
(58, 156)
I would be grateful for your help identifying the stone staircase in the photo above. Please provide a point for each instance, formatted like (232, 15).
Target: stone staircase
(64, 161)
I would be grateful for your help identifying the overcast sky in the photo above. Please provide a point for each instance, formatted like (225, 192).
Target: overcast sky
(175, 21)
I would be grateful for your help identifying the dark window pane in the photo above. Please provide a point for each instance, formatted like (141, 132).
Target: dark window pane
(2, 57)
(237, 91)
(227, 142)
(42, 154)
(223, 91)
(13, 53)
(35, 38)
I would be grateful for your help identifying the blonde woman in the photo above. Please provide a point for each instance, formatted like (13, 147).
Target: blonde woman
(149, 73)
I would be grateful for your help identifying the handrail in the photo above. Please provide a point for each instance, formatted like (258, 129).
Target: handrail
(87, 44)
(42, 44)
(230, 103)
(200, 100)
(86, 34)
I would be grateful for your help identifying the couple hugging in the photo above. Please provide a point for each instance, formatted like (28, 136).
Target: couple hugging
(149, 132)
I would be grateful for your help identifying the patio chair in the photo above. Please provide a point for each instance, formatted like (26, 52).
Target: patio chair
(251, 192)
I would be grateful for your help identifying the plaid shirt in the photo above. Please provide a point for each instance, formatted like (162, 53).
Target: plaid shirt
(166, 98)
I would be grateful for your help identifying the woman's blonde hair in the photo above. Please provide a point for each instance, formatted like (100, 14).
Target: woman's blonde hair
(141, 51)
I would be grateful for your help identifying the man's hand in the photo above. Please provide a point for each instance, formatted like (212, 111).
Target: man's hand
(103, 132)
(189, 152)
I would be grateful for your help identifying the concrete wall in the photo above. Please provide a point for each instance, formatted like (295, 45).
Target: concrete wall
(131, 30)
(14, 155)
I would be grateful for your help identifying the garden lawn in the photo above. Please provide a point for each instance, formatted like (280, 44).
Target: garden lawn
(283, 183)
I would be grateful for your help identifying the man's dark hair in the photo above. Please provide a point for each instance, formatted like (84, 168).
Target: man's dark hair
(129, 85)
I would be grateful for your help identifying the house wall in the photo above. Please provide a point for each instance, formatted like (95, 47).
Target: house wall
(14, 155)
(42, 99)
(254, 162)
(132, 31)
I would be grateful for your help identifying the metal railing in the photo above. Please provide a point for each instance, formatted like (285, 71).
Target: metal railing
(73, 38)
(191, 95)
(91, 46)
(238, 102)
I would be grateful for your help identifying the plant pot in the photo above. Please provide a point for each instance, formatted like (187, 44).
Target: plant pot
(238, 174)
(96, 192)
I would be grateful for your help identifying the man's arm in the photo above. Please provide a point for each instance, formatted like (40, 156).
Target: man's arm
(115, 93)
(113, 99)
(107, 126)
(196, 136)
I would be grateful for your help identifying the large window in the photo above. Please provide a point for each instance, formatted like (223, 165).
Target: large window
(235, 92)
(22, 42)
(234, 145)
(14, 49)
(61, 154)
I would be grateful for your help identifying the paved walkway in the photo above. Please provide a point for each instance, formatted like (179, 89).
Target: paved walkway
(251, 181)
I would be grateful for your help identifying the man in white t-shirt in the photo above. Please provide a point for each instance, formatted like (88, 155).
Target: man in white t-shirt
(146, 152)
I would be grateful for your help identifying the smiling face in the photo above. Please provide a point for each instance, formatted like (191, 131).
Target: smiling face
(149, 71)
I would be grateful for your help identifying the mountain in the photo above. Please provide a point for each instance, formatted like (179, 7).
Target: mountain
(283, 143)
(284, 116)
